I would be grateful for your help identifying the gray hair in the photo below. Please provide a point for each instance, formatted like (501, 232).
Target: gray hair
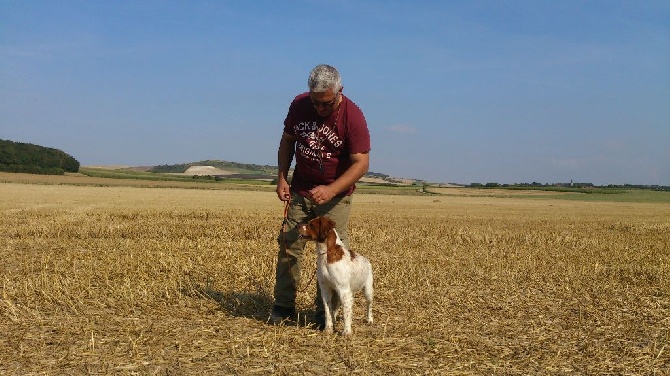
(323, 78)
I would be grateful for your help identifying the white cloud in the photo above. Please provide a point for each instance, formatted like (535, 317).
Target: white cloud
(402, 129)
(569, 163)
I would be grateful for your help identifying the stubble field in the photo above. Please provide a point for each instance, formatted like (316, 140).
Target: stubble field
(171, 281)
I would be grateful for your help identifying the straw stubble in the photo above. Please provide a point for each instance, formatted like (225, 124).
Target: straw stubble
(119, 280)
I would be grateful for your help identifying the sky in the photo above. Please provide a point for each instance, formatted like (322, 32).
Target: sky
(453, 91)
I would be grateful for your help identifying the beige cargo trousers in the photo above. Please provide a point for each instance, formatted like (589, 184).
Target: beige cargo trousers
(291, 246)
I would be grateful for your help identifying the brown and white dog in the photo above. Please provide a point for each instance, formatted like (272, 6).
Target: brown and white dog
(340, 272)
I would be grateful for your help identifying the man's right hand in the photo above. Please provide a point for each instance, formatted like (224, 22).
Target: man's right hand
(283, 191)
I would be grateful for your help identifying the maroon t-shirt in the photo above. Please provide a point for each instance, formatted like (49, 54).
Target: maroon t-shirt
(323, 146)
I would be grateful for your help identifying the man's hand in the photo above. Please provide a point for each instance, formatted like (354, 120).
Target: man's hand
(321, 194)
(324, 193)
(284, 158)
(283, 190)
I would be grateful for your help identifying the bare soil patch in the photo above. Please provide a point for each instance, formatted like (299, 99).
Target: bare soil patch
(206, 170)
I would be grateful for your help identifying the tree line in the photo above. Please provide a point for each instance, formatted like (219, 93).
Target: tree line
(35, 159)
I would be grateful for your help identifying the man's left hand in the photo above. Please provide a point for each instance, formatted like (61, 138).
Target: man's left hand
(321, 194)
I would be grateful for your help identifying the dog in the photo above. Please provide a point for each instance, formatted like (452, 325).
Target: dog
(340, 272)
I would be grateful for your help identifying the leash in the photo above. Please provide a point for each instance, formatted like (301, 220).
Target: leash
(284, 229)
(285, 222)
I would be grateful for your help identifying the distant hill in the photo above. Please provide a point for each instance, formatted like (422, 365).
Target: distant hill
(219, 169)
(35, 159)
(230, 167)
(225, 169)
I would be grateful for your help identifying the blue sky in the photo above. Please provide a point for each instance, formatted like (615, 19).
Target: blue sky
(453, 91)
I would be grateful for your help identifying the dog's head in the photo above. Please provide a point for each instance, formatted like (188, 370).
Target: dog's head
(317, 229)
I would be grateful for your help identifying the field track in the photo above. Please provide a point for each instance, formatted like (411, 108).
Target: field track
(138, 280)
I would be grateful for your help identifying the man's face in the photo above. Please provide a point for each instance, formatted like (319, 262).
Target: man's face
(326, 102)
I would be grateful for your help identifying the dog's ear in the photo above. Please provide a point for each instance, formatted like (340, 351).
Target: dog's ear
(325, 226)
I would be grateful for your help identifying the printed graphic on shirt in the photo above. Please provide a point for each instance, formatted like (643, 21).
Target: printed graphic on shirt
(318, 141)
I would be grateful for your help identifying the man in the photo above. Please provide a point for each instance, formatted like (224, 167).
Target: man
(328, 135)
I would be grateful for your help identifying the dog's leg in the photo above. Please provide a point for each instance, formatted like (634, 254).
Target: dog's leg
(347, 309)
(326, 296)
(336, 306)
(368, 291)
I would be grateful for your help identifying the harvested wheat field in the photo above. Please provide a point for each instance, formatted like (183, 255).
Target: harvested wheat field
(170, 281)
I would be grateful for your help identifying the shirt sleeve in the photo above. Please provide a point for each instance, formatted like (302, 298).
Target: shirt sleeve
(358, 135)
(288, 121)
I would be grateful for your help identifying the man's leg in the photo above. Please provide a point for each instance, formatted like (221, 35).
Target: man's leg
(289, 260)
(337, 209)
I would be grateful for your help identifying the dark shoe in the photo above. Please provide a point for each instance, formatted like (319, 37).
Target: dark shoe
(281, 314)
(320, 320)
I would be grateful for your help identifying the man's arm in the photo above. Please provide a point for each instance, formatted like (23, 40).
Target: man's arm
(284, 159)
(360, 162)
